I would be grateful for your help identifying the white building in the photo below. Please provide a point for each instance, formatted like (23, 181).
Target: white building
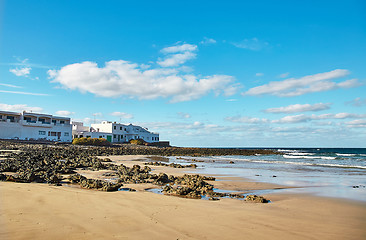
(114, 132)
(79, 131)
(34, 126)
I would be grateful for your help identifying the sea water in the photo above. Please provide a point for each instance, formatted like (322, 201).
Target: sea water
(330, 172)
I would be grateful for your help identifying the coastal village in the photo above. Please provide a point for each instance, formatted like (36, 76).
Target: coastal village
(46, 127)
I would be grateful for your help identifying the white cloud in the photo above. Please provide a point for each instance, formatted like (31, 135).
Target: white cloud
(179, 48)
(177, 55)
(259, 74)
(300, 108)
(253, 44)
(308, 84)
(122, 115)
(122, 78)
(24, 93)
(21, 72)
(293, 119)
(64, 113)
(174, 60)
(9, 85)
(284, 75)
(305, 118)
(359, 123)
(341, 116)
(207, 41)
(183, 115)
(245, 119)
(357, 102)
(19, 108)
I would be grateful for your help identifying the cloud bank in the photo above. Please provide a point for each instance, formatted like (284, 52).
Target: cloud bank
(299, 108)
(298, 86)
(19, 108)
(123, 78)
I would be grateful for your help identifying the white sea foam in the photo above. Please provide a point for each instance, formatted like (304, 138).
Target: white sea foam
(299, 157)
(296, 163)
(346, 155)
(308, 157)
(286, 150)
(301, 153)
(328, 158)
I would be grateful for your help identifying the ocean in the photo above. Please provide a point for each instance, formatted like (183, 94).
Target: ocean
(329, 172)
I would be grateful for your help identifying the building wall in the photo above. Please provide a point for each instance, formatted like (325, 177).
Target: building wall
(31, 126)
(124, 133)
(88, 134)
(10, 130)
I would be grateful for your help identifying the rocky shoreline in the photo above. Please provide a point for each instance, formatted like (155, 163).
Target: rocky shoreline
(57, 164)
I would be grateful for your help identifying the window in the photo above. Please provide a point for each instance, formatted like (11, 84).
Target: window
(120, 128)
(114, 127)
(62, 122)
(114, 136)
(54, 122)
(53, 134)
(66, 134)
(27, 119)
(42, 132)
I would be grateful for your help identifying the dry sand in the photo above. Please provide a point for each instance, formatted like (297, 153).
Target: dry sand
(40, 211)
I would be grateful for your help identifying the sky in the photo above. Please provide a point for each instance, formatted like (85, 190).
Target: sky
(201, 73)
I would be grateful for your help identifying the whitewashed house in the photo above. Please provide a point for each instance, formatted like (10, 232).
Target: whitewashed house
(34, 126)
(114, 132)
(79, 131)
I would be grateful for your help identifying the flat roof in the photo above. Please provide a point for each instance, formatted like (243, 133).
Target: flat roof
(10, 113)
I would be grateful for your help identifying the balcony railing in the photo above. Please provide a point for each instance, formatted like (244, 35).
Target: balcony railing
(36, 124)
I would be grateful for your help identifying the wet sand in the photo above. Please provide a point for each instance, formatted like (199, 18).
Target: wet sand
(40, 211)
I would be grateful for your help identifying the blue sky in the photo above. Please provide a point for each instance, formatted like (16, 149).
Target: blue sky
(207, 73)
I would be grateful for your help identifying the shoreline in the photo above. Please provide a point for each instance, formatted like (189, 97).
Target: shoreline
(89, 214)
(42, 211)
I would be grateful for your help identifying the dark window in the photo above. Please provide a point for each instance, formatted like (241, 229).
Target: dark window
(120, 128)
(114, 127)
(11, 118)
(62, 122)
(27, 119)
(66, 134)
(42, 132)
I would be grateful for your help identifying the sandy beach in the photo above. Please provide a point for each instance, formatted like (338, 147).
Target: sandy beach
(41, 211)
